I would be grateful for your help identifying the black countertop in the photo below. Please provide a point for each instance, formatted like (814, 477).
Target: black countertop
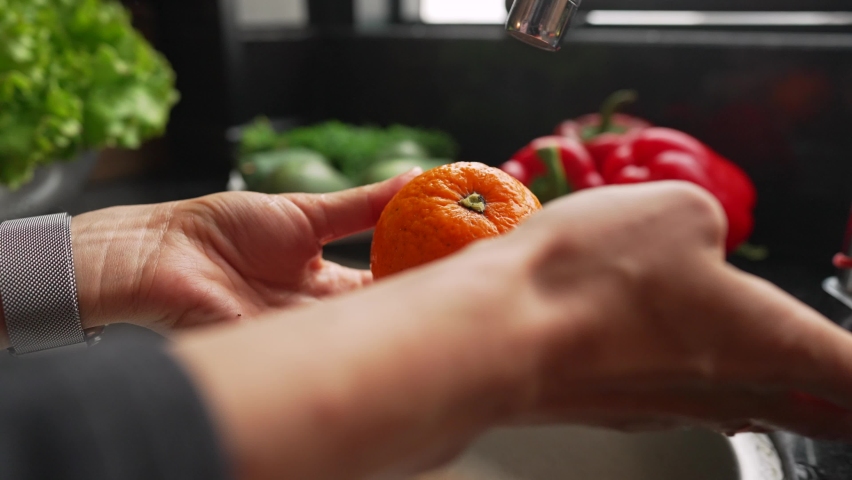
(806, 459)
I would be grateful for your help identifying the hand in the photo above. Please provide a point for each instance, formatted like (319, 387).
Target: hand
(224, 257)
(640, 324)
(613, 307)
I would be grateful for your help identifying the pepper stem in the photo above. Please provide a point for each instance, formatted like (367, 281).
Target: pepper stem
(755, 253)
(613, 104)
(555, 173)
(475, 202)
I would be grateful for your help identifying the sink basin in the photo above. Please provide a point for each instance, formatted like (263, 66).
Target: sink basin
(572, 453)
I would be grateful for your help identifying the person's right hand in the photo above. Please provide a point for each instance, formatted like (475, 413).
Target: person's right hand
(640, 324)
(612, 307)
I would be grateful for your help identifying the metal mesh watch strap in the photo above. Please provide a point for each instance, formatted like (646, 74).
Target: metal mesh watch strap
(37, 284)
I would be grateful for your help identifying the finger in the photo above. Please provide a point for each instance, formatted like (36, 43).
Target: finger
(330, 278)
(729, 410)
(337, 215)
(794, 346)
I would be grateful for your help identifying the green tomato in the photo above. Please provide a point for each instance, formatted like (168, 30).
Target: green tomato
(391, 168)
(305, 176)
(257, 168)
(402, 149)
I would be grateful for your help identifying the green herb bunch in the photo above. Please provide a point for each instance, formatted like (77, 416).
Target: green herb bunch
(75, 75)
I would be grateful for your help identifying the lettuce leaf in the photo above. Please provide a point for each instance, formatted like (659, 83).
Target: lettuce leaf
(75, 75)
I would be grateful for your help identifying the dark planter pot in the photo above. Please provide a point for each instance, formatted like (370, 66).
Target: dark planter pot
(51, 187)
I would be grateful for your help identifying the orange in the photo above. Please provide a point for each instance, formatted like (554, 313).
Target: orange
(443, 210)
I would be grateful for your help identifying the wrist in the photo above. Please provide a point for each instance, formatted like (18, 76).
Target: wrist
(548, 319)
(492, 281)
(113, 249)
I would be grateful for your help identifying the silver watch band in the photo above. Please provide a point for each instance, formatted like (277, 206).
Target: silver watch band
(37, 284)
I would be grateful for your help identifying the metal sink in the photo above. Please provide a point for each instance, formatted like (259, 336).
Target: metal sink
(572, 453)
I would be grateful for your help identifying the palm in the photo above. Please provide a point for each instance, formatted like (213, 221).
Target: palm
(232, 256)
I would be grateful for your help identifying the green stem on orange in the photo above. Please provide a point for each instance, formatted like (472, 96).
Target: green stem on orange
(613, 104)
(555, 172)
(474, 202)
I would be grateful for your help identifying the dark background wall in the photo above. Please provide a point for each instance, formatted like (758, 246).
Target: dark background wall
(781, 109)
(779, 103)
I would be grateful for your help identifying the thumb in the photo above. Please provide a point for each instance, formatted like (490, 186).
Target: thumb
(344, 213)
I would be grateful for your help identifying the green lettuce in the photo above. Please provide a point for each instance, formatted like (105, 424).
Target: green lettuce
(75, 75)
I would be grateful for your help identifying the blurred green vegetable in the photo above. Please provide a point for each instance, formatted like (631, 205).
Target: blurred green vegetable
(260, 136)
(75, 75)
(257, 169)
(308, 177)
(402, 149)
(300, 170)
(439, 144)
(352, 149)
(388, 169)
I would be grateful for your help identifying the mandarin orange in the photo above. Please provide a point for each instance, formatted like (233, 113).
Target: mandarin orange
(443, 210)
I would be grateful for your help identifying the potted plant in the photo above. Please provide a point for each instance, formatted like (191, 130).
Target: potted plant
(75, 77)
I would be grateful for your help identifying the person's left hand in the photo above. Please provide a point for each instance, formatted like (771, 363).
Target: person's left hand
(224, 257)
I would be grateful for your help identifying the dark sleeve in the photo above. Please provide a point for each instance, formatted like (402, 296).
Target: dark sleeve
(119, 412)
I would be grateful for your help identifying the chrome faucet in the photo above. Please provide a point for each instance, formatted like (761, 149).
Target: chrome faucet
(540, 23)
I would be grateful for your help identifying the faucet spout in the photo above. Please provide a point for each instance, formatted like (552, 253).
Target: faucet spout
(541, 23)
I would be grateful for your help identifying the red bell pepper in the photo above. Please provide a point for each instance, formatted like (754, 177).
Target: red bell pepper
(665, 154)
(602, 133)
(554, 166)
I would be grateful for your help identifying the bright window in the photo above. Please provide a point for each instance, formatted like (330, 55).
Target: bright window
(695, 18)
(284, 13)
(463, 11)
